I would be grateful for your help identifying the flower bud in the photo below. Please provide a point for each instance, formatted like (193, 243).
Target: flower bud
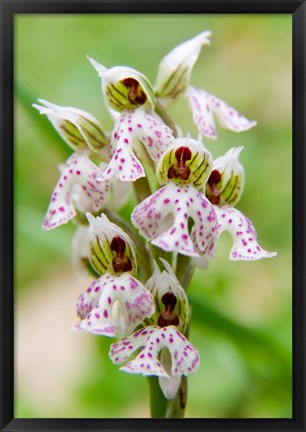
(175, 68)
(226, 181)
(78, 128)
(185, 162)
(110, 248)
(124, 87)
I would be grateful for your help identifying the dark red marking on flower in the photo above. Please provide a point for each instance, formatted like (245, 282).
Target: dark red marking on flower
(212, 192)
(180, 170)
(168, 317)
(135, 96)
(120, 262)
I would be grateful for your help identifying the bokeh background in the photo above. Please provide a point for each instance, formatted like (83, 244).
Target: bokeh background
(241, 312)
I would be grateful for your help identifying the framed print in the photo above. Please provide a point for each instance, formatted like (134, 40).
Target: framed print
(152, 217)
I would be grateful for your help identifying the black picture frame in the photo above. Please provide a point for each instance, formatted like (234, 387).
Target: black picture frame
(11, 7)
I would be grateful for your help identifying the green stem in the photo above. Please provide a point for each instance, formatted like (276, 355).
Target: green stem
(166, 118)
(158, 402)
(142, 188)
(184, 270)
(176, 407)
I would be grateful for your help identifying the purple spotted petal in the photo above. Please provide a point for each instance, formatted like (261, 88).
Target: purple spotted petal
(162, 218)
(205, 107)
(87, 301)
(124, 165)
(77, 187)
(135, 300)
(244, 235)
(184, 357)
(133, 130)
(152, 133)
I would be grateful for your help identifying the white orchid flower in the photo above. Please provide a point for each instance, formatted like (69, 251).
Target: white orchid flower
(163, 218)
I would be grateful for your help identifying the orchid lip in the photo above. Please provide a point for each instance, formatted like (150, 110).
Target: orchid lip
(153, 339)
(95, 306)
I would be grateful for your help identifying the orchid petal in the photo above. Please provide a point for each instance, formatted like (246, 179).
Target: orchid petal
(78, 128)
(132, 131)
(184, 357)
(176, 67)
(169, 385)
(205, 107)
(136, 302)
(102, 252)
(124, 165)
(163, 283)
(78, 177)
(242, 230)
(226, 182)
(86, 302)
(162, 218)
(124, 87)
(201, 263)
(188, 155)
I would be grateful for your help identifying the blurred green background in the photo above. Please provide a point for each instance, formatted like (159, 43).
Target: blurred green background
(241, 312)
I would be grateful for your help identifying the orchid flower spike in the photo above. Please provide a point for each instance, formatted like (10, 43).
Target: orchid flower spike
(205, 107)
(110, 249)
(124, 88)
(135, 131)
(224, 189)
(177, 356)
(79, 129)
(175, 68)
(164, 217)
(77, 189)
